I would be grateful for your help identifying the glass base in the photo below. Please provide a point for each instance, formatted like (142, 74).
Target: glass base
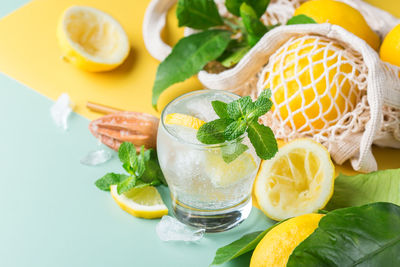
(213, 220)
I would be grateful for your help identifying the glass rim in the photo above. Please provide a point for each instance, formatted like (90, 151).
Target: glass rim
(198, 145)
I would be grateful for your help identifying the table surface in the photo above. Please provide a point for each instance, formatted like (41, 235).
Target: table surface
(51, 212)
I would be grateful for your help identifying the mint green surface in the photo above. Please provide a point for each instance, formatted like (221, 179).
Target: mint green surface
(51, 214)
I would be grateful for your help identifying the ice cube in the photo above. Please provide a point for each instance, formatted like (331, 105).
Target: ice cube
(96, 157)
(187, 134)
(170, 229)
(61, 110)
(202, 109)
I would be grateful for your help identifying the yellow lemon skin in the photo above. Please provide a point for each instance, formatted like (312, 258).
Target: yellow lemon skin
(277, 245)
(184, 120)
(85, 45)
(319, 116)
(339, 13)
(390, 49)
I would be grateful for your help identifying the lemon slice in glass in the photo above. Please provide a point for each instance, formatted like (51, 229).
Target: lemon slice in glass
(91, 39)
(142, 202)
(298, 180)
(184, 120)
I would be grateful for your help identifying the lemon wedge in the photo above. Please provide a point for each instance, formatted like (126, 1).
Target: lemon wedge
(224, 174)
(183, 120)
(142, 202)
(298, 180)
(91, 39)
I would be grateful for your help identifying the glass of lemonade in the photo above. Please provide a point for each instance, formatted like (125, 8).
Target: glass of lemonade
(206, 191)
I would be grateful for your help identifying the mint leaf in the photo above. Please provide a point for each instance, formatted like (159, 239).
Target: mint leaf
(237, 108)
(232, 151)
(127, 153)
(258, 108)
(235, 129)
(213, 132)
(220, 108)
(153, 173)
(264, 94)
(126, 185)
(198, 14)
(300, 19)
(110, 179)
(263, 140)
(260, 6)
(188, 57)
(254, 27)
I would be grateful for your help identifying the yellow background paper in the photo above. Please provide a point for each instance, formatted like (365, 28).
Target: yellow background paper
(30, 54)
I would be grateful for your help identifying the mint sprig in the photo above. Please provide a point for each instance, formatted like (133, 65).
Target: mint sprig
(236, 118)
(142, 168)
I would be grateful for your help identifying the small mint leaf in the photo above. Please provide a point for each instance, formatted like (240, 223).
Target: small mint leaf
(237, 108)
(213, 132)
(220, 108)
(265, 93)
(232, 151)
(263, 140)
(153, 173)
(126, 185)
(301, 19)
(127, 153)
(235, 129)
(109, 179)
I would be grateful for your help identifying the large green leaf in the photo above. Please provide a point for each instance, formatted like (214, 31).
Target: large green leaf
(359, 236)
(259, 6)
(188, 57)
(380, 186)
(254, 27)
(198, 14)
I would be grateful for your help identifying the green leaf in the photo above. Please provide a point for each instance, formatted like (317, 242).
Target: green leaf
(127, 153)
(235, 129)
(220, 108)
(232, 151)
(379, 186)
(126, 185)
(254, 27)
(109, 179)
(300, 19)
(263, 140)
(261, 106)
(198, 14)
(153, 173)
(213, 132)
(188, 57)
(259, 6)
(358, 236)
(237, 109)
(235, 57)
(245, 244)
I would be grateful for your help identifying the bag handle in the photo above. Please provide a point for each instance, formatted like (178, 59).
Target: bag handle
(153, 23)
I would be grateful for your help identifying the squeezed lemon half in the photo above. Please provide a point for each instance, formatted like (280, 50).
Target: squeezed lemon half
(91, 39)
(143, 202)
(298, 180)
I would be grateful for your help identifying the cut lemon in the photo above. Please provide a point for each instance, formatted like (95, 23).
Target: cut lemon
(277, 245)
(184, 120)
(142, 202)
(224, 174)
(298, 180)
(91, 39)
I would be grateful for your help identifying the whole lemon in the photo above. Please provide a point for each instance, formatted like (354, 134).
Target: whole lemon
(312, 83)
(390, 49)
(341, 14)
(277, 245)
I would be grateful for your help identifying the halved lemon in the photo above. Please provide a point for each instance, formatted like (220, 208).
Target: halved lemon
(183, 120)
(142, 202)
(91, 39)
(298, 180)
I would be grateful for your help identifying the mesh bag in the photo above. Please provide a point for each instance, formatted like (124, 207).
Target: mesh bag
(359, 103)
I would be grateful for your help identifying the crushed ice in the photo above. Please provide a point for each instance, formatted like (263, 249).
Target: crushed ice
(61, 110)
(96, 157)
(170, 229)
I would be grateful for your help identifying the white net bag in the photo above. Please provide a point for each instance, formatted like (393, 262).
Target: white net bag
(359, 104)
